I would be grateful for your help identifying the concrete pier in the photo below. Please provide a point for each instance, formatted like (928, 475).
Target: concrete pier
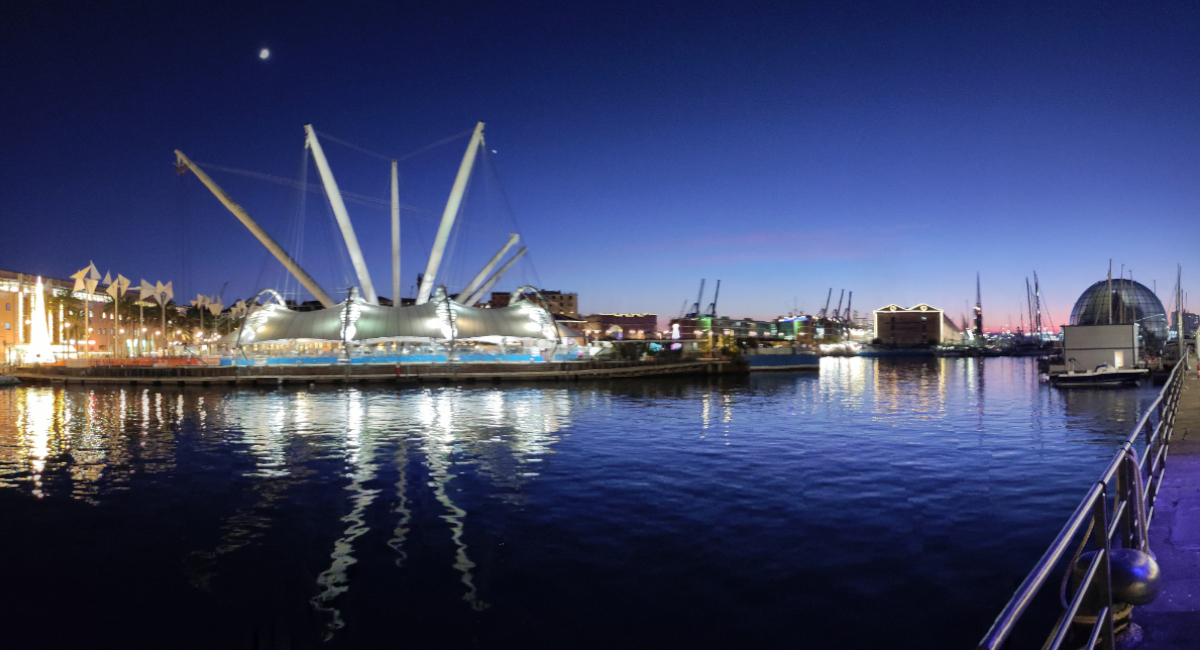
(1172, 621)
(273, 375)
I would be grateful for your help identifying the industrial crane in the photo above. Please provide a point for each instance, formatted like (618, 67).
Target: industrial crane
(712, 308)
(699, 301)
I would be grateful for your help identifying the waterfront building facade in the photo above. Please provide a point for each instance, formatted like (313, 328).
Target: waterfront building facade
(499, 300)
(64, 313)
(916, 326)
(66, 319)
(742, 328)
(566, 304)
(559, 303)
(621, 326)
(1191, 322)
(798, 329)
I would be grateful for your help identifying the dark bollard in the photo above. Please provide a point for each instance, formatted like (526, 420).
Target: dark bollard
(1135, 575)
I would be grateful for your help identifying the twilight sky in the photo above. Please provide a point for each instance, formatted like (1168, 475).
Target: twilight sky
(891, 149)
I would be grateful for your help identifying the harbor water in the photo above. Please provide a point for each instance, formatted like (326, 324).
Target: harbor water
(877, 503)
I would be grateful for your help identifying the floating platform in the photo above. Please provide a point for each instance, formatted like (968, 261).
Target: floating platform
(781, 358)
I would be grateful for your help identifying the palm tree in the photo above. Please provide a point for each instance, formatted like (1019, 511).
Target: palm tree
(124, 307)
(155, 336)
(72, 324)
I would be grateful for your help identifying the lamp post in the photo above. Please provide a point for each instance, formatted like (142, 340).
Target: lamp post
(200, 303)
(164, 293)
(215, 307)
(116, 290)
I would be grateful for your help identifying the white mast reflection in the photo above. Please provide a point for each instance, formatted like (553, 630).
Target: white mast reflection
(400, 532)
(360, 457)
(437, 414)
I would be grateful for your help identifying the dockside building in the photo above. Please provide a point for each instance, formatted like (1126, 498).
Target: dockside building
(916, 326)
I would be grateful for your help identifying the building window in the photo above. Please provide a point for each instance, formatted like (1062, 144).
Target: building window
(8, 326)
(8, 306)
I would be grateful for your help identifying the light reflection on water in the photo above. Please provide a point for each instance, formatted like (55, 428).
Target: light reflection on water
(877, 499)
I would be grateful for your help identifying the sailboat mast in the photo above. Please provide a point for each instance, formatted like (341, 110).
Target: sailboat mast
(1037, 303)
(978, 309)
(1110, 296)
(1179, 308)
(1029, 301)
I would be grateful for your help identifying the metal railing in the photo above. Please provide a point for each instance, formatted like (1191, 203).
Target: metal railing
(1125, 526)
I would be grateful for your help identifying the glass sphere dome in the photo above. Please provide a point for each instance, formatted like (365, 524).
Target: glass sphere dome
(1130, 302)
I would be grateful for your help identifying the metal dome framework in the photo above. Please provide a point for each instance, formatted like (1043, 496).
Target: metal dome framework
(1129, 302)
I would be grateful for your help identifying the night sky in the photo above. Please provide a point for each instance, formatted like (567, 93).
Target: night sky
(891, 149)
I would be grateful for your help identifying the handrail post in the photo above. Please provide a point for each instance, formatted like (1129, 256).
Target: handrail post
(1123, 491)
(1102, 600)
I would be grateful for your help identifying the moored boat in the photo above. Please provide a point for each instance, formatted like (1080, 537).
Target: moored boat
(1101, 375)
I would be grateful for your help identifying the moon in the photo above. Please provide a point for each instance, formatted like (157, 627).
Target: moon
(264, 54)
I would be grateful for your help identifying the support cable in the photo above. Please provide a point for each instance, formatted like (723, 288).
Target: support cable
(391, 158)
(487, 157)
(311, 187)
(362, 199)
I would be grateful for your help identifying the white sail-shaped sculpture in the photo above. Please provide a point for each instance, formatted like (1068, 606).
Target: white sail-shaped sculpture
(39, 349)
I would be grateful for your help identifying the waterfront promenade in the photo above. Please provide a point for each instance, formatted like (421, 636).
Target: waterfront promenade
(1172, 621)
(409, 373)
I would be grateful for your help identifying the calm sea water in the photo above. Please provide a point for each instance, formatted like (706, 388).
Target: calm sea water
(883, 503)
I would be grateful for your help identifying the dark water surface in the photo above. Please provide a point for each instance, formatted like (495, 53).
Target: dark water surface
(883, 503)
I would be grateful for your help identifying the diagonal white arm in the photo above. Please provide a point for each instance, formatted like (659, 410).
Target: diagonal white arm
(451, 212)
(474, 298)
(280, 254)
(487, 268)
(343, 217)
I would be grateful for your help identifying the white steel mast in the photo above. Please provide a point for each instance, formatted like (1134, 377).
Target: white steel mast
(487, 268)
(395, 236)
(448, 216)
(343, 218)
(280, 254)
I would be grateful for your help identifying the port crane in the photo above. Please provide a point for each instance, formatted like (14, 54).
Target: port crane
(712, 307)
(825, 310)
(695, 313)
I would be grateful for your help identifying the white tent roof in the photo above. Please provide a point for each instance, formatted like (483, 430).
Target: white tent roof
(437, 320)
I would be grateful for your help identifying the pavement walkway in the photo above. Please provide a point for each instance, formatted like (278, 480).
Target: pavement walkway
(1172, 621)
